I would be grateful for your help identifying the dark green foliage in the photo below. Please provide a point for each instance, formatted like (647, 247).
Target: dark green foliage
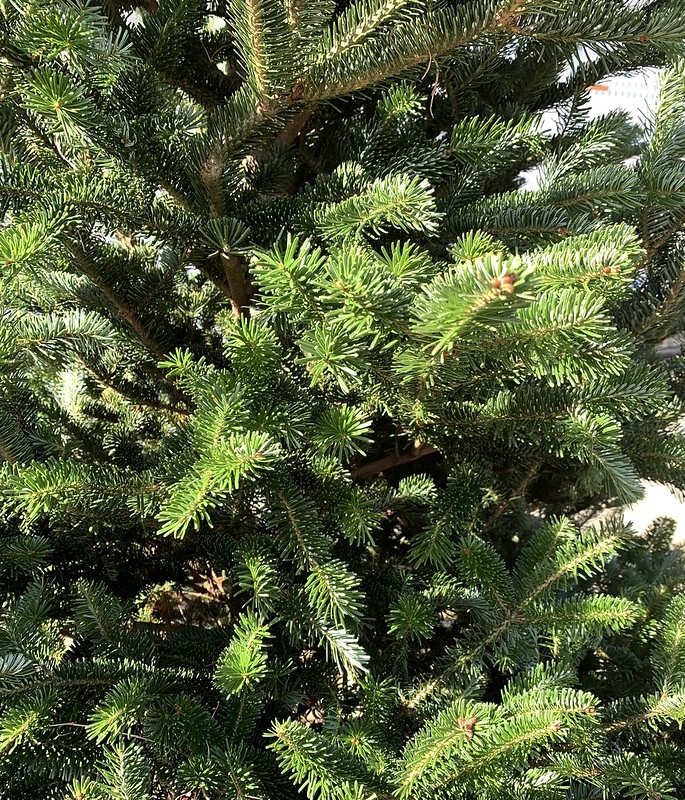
(544, 676)
(299, 389)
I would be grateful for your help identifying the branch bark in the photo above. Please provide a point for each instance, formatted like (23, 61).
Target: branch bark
(393, 460)
(236, 277)
(294, 127)
(234, 268)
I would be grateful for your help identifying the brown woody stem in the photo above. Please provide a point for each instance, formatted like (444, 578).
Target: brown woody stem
(236, 277)
(393, 460)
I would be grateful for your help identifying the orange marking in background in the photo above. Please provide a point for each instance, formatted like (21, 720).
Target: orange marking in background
(598, 88)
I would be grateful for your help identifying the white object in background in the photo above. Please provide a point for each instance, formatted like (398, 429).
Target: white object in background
(659, 501)
(637, 94)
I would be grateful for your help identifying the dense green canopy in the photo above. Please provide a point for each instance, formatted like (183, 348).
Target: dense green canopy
(300, 388)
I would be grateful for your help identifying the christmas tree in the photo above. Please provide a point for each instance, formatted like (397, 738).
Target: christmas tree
(300, 390)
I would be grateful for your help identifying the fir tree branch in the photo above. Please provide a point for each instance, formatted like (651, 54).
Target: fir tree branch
(253, 20)
(210, 174)
(221, 285)
(666, 305)
(541, 733)
(657, 710)
(28, 120)
(399, 61)
(57, 682)
(128, 316)
(206, 83)
(605, 545)
(103, 209)
(6, 454)
(518, 493)
(158, 405)
(126, 313)
(654, 246)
